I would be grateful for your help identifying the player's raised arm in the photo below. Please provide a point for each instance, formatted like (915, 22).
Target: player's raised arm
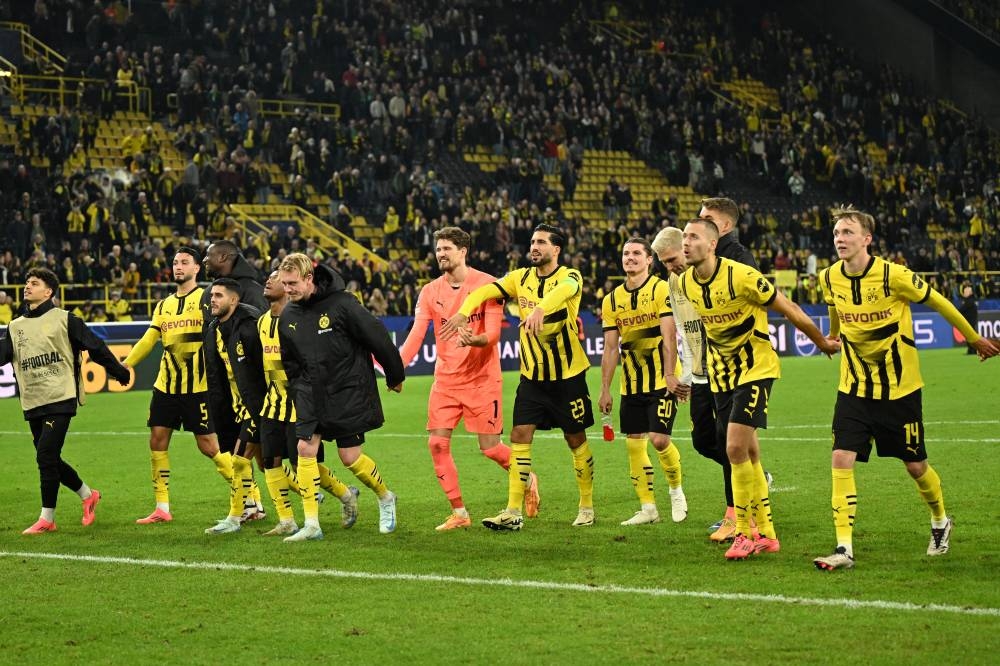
(801, 321)
(567, 288)
(983, 346)
(141, 349)
(461, 318)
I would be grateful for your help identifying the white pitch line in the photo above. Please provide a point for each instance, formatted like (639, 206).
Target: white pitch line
(511, 583)
(375, 435)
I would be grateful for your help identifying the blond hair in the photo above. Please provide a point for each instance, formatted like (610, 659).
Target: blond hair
(669, 238)
(297, 262)
(849, 212)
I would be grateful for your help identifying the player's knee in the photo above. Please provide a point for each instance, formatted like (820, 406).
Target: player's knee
(659, 441)
(521, 435)
(439, 445)
(916, 469)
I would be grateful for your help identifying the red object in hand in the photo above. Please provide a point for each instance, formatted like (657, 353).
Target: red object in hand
(609, 432)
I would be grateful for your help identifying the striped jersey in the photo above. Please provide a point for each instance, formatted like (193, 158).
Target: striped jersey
(177, 322)
(733, 307)
(277, 405)
(878, 357)
(636, 315)
(239, 408)
(556, 352)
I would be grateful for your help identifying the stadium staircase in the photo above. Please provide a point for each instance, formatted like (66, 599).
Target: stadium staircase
(599, 166)
(261, 218)
(753, 94)
(45, 94)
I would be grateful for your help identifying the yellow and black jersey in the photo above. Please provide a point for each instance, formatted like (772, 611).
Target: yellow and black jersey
(636, 314)
(733, 308)
(878, 358)
(277, 405)
(556, 352)
(177, 323)
(239, 409)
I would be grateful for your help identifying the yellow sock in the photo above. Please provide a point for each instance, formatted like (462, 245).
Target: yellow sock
(929, 486)
(160, 463)
(240, 487)
(366, 471)
(761, 502)
(583, 465)
(517, 475)
(845, 500)
(308, 474)
(277, 485)
(743, 487)
(224, 465)
(640, 469)
(293, 481)
(330, 483)
(670, 461)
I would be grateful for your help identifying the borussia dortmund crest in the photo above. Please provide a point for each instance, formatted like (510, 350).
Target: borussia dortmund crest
(871, 295)
(239, 348)
(324, 321)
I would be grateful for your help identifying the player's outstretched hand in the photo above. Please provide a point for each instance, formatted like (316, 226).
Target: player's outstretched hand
(986, 348)
(451, 327)
(830, 346)
(466, 338)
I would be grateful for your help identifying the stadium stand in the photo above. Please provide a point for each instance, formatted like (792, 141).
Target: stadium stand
(352, 130)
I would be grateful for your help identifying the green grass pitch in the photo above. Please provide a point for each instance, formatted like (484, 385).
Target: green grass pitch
(549, 594)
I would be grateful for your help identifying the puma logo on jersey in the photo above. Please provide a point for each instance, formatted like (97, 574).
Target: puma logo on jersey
(51, 424)
(292, 326)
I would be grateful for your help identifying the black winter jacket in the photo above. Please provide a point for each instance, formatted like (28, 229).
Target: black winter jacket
(730, 247)
(327, 344)
(252, 293)
(246, 356)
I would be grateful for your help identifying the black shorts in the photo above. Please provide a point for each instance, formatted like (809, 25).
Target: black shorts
(277, 438)
(648, 412)
(746, 405)
(561, 403)
(895, 426)
(228, 430)
(343, 442)
(249, 432)
(174, 410)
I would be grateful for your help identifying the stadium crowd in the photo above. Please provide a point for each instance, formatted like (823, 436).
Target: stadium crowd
(416, 80)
